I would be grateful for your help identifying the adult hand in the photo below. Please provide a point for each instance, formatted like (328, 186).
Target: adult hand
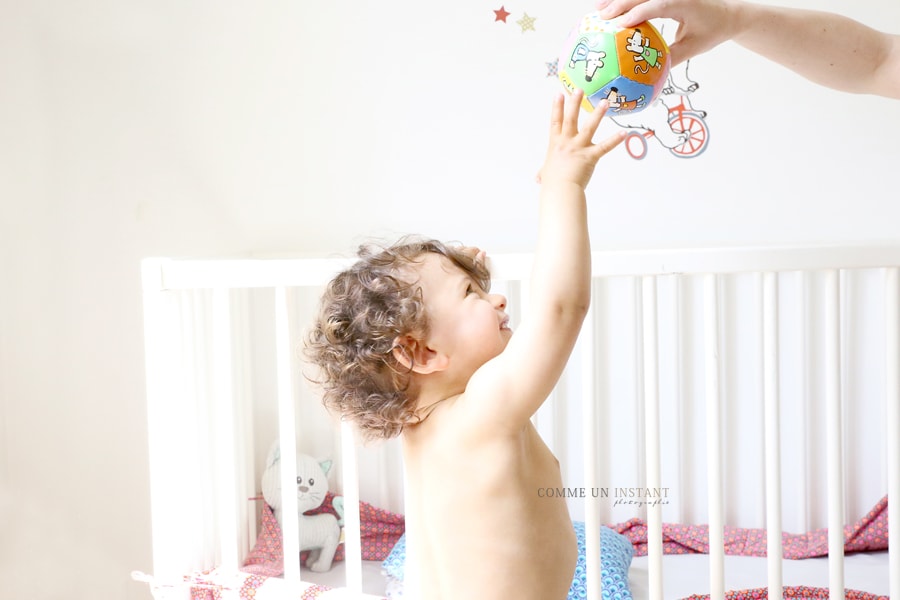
(702, 24)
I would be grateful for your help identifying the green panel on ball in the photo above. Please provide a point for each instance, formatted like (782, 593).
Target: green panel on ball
(591, 61)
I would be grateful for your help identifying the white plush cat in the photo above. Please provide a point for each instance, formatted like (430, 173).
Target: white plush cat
(320, 534)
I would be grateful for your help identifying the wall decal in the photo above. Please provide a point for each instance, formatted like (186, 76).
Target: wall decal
(671, 120)
(527, 23)
(552, 67)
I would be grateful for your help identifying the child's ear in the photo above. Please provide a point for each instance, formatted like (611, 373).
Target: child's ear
(417, 357)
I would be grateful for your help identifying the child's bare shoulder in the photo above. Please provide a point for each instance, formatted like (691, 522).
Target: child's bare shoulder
(455, 422)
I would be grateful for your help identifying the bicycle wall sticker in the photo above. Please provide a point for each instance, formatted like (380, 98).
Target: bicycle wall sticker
(671, 120)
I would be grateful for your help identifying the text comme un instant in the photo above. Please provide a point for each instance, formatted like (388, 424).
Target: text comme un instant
(619, 492)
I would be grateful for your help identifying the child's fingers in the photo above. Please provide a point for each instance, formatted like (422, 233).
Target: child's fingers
(571, 111)
(478, 255)
(481, 258)
(470, 251)
(593, 122)
(605, 145)
(556, 114)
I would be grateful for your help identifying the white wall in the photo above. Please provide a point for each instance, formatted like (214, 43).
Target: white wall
(173, 128)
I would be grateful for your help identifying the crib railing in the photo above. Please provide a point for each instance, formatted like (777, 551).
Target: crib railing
(200, 519)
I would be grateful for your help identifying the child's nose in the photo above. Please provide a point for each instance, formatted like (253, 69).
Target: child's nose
(499, 300)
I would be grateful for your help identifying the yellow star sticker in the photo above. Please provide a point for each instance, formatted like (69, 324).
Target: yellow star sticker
(526, 23)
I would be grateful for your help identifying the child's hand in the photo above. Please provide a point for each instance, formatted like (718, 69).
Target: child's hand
(571, 154)
(476, 254)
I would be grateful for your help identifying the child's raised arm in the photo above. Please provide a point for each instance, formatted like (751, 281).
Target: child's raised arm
(511, 387)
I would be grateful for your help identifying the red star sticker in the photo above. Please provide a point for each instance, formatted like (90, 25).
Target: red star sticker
(501, 14)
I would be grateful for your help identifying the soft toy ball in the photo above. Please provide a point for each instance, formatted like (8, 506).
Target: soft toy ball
(626, 65)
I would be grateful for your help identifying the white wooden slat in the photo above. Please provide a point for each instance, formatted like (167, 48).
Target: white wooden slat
(834, 427)
(352, 543)
(772, 434)
(892, 402)
(224, 407)
(586, 351)
(651, 436)
(287, 436)
(245, 460)
(804, 485)
(681, 409)
(714, 440)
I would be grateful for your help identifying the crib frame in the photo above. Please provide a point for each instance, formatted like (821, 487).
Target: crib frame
(173, 557)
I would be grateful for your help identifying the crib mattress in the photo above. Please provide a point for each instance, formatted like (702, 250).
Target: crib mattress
(374, 581)
(686, 575)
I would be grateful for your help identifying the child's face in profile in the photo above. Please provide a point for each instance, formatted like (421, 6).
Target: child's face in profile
(466, 323)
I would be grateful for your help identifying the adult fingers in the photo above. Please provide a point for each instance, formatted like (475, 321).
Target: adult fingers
(611, 9)
(684, 49)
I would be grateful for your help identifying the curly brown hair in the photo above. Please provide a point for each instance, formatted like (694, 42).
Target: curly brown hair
(362, 312)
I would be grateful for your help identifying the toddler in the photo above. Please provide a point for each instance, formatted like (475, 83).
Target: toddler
(411, 342)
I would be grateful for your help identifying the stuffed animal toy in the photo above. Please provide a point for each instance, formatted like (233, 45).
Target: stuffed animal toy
(321, 533)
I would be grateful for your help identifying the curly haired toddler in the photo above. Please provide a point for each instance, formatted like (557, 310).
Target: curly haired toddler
(411, 342)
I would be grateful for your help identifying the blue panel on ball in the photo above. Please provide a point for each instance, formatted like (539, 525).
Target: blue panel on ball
(624, 95)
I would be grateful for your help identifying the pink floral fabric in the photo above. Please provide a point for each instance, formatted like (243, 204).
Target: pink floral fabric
(797, 592)
(869, 533)
(210, 589)
(206, 586)
(379, 532)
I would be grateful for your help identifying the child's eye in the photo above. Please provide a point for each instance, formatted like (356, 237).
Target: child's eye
(470, 289)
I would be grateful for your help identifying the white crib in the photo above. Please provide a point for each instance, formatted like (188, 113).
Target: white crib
(760, 387)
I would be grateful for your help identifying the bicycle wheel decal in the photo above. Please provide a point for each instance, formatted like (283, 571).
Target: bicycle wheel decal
(636, 145)
(698, 134)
